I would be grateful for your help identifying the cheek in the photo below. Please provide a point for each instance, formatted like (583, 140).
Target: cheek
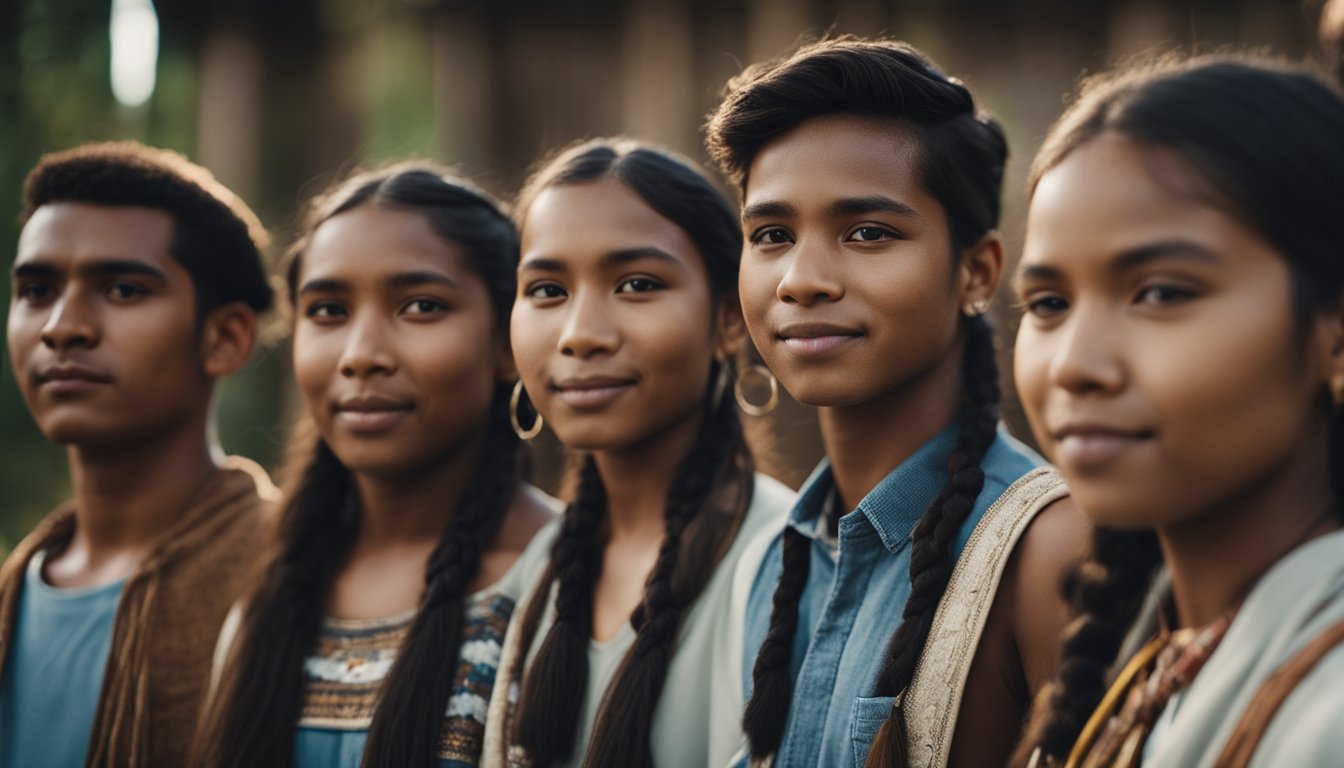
(1031, 367)
(530, 337)
(756, 291)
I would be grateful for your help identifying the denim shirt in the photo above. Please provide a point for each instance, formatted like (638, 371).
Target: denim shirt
(855, 595)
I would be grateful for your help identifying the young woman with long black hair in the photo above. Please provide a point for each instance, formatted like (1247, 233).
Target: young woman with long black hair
(373, 638)
(870, 200)
(625, 331)
(1181, 360)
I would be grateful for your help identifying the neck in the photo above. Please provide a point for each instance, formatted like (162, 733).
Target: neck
(868, 440)
(126, 496)
(1216, 557)
(637, 479)
(414, 507)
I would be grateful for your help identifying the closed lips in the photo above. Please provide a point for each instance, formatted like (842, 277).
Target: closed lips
(70, 372)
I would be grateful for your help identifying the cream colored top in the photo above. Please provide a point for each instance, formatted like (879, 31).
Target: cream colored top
(698, 719)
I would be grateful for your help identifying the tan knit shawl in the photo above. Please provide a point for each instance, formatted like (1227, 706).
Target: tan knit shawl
(168, 616)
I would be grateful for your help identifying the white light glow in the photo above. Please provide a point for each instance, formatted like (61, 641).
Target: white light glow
(135, 50)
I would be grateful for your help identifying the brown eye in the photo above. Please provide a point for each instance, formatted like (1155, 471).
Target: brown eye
(771, 236)
(638, 285)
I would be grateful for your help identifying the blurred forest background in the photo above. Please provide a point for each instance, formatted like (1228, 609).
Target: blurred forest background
(278, 97)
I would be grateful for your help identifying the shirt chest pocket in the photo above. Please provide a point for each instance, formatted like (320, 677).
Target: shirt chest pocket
(865, 720)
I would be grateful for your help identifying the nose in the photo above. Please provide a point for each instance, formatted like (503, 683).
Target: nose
(71, 324)
(811, 276)
(1088, 356)
(366, 350)
(588, 329)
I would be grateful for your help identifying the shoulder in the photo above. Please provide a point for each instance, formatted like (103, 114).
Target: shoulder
(771, 501)
(1008, 459)
(1055, 540)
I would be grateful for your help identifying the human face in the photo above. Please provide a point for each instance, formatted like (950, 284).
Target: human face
(1160, 361)
(614, 329)
(102, 328)
(847, 281)
(395, 347)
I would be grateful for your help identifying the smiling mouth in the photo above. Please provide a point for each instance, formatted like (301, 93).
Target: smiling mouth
(371, 414)
(1091, 447)
(591, 393)
(815, 339)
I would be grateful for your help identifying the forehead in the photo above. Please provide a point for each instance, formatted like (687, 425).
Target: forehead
(68, 234)
(372, 241)
(1111, 196)
(841, 156)
(578, 223)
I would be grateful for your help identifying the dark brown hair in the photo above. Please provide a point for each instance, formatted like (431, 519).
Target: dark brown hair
(261, 694)
(216, 237)
(1260, 141)
(699, 525)
(962, 155)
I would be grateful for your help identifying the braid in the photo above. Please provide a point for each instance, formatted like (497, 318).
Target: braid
(409, 717)
(1106, 592)
(555, 684)
(623, 733)
(767, 711)
(931, 560)
(261, 693)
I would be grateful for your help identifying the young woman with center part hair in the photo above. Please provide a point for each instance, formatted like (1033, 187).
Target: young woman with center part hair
(374, 636)
(1182, 279)
(625, 326)
(871, 196)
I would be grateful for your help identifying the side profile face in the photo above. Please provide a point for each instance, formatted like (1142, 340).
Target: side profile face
(848, 282)
(395, 347)
(615, 326)
(103, 333)
(1160, 361)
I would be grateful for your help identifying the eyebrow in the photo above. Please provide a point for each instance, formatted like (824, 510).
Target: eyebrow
(872, 204)
(845, 206)
(1173, 250)
(414, 279)
(615, 258)
(1166, 250)
(768, 209)
(99, 268)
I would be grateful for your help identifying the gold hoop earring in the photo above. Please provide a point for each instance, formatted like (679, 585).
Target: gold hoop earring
(975, 308)
(748, 407)
(514, 401)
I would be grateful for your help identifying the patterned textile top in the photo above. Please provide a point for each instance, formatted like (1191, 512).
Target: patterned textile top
(345, 673)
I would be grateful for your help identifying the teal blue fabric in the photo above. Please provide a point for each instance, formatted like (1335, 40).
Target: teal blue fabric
(54, 672)
(854, 598)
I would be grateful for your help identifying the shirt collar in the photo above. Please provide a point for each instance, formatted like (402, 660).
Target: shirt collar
(894, 506)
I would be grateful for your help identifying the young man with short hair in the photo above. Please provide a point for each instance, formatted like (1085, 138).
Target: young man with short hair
(136, 286)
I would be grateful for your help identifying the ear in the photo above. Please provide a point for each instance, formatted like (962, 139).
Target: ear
(228, 336)
(506, 368)
(730, 329)
(1330, 333)
(980, 270)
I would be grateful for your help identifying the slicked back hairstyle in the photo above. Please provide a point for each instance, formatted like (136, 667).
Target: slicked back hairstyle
(216, 237)
(261, 694)
(962, 153)
(706, 502)
(1259, 140)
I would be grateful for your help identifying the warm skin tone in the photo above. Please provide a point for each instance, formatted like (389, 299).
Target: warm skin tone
(1165, 370)
(111, 361)
(614, 330)
(397, 355)
(854, 298)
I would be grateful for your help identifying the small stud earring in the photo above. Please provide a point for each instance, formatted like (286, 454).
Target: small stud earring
(975, 308)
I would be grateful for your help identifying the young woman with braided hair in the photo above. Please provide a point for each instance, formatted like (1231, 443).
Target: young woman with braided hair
(372, 639)
(625, 328)
(1181, 359)
(870, 199)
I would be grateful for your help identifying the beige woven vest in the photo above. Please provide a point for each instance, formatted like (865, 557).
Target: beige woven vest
(934, 695)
